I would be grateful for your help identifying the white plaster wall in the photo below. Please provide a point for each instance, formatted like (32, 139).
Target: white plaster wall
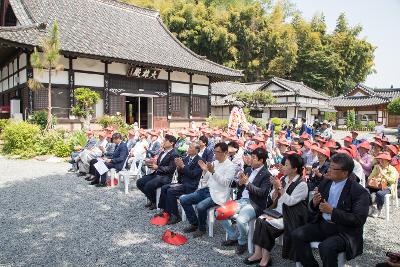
(22, 60)
(281, 99)
(309, 116)
(84, 79)
(59, 77)
(5, 85)
(291, 99)
(200, 90)
(180, 88)
(15, 65)
(201, 79)
(5, 71)
(118, 68)
(290, 113)
(180, 76)
(88, 65)
(22, 76)
(163, 75)
(366, 112)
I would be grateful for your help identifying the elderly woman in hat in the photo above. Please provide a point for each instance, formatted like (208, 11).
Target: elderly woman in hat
(383, 172)
(319, 168)
(364, 157)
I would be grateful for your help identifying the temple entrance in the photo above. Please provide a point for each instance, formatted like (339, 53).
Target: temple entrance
(140, 110)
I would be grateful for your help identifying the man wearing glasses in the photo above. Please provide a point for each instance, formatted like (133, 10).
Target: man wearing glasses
(214, 190)
(339, 211)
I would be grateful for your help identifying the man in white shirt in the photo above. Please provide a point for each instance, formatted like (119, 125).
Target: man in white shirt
(214, 190)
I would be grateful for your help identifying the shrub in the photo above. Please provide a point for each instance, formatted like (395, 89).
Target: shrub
(371, 125)
(46, 142)
(20, 138)
(4, 123)
(350, 119)
(115, 121)
(278, 129)
(62, 149)
(77, 138)
(220, 123)
(40, 118)
(277, 121)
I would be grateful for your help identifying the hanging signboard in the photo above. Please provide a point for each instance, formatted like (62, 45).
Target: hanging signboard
(141, 72)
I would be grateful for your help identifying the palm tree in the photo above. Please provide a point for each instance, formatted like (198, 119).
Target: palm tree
(48, 61)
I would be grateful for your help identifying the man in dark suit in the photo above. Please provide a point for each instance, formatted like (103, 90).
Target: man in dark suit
(189, 174)
(340, 210)
(164, 169)
(205, 153)
(116, 162)
(254, 185)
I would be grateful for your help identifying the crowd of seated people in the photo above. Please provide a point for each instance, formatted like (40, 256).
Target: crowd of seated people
(300, 188)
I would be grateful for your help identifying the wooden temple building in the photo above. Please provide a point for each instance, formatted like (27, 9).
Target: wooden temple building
(124, 52)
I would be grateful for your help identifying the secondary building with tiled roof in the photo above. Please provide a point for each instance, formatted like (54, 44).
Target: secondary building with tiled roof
(102, 43)
(370, 104)
(294, 99)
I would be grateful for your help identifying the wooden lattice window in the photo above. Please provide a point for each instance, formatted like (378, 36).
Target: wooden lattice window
(160, 107)
(200, 107)
(180, 106)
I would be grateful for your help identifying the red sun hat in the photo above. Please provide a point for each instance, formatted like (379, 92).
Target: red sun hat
(348, 139)
(393, 149)
(377, 142)
(160, 220)
(324, 151)
(174, 239)
(345, 150)
(330, 144)
(305, 136)
(307, 143)
(283, 142)
(226, 211)
(384, 156)
(366, 145)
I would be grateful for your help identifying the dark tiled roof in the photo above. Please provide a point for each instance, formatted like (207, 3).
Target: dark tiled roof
(297, 88)
(227, 88)
(376, 96)
(110, 30)
(358, 101)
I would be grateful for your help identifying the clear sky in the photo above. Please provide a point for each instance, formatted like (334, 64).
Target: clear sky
(380, 20)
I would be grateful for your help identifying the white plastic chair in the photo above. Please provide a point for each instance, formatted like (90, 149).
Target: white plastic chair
(395, 200)
(134, 172)
(341, 256)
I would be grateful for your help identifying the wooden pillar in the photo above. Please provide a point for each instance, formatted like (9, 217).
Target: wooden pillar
(169, 102)
(191, 96)
(29, 74)
(71, 82)
(106, 89)
(209, 98)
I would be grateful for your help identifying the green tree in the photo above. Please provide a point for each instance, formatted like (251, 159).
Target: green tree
(394, 106)
(255, 100)
(49, 62)
(86, 99)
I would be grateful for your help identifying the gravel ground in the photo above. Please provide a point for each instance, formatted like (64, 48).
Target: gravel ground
(51, 218)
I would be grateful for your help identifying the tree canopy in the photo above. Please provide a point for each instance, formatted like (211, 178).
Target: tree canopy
(266, 40)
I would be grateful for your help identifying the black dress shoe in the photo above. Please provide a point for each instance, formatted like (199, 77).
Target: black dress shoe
(190, 229)
(248, 262)
(229, 243)
(173, 219)
(81, 174)
(94, 183)
(152, 206)
(148, 204)
(101, 185)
